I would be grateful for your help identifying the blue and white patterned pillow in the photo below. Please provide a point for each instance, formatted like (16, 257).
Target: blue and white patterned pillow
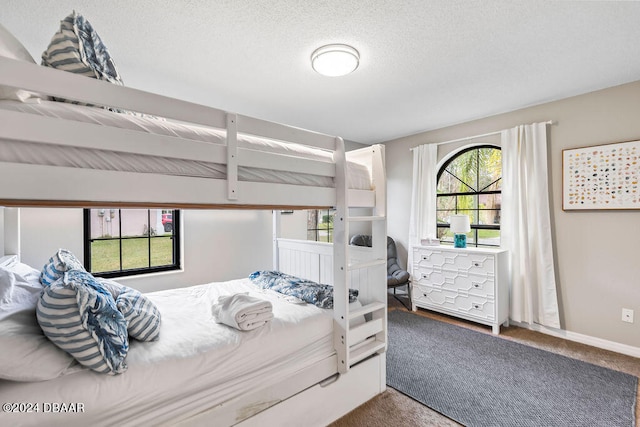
(307, 290)
(78, 48)
(142, 316)
(78, 315)
(61, 262)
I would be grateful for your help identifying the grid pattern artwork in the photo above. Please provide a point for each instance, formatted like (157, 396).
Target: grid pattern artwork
(601, 177)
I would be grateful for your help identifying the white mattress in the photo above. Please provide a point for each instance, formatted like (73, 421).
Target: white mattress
(358, 176)
(195, 365)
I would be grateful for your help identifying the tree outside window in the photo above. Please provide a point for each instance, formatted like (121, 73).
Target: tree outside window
(320, 225)
(470, 183)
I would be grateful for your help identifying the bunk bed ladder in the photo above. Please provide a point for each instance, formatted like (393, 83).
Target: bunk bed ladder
(354, 339)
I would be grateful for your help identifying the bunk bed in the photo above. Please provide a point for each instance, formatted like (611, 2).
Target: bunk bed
(181, 155)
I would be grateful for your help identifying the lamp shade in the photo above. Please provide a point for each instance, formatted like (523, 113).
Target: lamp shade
(459, 224)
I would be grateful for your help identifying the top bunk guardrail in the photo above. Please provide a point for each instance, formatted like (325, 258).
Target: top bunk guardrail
(63, 84)
(43, 183)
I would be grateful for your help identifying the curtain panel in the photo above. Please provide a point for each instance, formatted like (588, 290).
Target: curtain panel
(526, 225)
(422, 218)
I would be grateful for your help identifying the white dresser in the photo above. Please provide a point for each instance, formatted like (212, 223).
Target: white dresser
(469, 283)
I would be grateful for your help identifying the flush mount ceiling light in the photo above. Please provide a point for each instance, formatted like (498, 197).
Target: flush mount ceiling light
(335, 60)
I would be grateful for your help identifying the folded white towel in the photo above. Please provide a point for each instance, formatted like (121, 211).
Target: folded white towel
(242, 311)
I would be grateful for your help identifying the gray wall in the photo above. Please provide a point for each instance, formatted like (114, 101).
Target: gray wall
(598, 262)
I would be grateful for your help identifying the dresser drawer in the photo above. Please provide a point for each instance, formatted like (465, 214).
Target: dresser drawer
(451, 301)
(423, 294)
(472, 284)
(471, 263)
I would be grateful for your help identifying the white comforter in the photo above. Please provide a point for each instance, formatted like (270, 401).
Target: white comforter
(196, 364)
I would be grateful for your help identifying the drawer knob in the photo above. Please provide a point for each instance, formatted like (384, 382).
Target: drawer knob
(477, 264)
(476, 285)
(476, 306)
(424, 258)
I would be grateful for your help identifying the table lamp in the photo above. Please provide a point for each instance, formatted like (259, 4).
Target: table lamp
(460, 226)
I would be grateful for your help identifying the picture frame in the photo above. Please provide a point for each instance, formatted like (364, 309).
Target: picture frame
(601, 177)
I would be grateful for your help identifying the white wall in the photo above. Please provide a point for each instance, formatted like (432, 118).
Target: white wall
(597, 252)
(43, 231)
(218, 244)
(294, 226)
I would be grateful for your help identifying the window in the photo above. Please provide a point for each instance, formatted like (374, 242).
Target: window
(320, 225)
(470, 183)
(124, 242)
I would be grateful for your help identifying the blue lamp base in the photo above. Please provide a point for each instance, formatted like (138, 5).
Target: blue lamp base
(459, 240)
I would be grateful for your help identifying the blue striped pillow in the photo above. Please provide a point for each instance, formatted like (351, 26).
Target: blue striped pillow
(78, 315)
(78, 48)
(58, 264)
(142, 316)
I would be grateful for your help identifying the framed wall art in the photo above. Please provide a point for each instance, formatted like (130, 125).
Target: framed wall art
(601, 177)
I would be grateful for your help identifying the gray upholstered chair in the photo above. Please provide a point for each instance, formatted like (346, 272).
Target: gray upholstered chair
(396, 276)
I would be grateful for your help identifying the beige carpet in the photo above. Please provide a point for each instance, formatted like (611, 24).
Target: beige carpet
(395, 409)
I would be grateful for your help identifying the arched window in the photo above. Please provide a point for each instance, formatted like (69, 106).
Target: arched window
(470, 183)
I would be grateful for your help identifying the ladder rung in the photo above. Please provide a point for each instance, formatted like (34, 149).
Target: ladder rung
(367, 329)
(361, 344)
(366, 218)
(366, 264)
(364, 351)
(366, 309)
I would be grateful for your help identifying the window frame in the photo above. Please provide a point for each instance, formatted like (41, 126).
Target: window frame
(474, 227)
(175, 236)
(330, 212)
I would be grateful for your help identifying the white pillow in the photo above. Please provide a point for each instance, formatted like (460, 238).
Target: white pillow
(8, 260)
(10, 47)
(20, 288)
(27, 355)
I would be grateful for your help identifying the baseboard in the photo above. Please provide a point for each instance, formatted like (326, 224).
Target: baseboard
(582, 339)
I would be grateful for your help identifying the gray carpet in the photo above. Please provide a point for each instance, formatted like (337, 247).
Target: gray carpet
(481, 380)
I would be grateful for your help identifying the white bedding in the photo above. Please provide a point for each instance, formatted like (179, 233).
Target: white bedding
(358, 176)
(196, 364)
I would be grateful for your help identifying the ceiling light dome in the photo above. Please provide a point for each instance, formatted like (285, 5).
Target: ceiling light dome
(335, 60)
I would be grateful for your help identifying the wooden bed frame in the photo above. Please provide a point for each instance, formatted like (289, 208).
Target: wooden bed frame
(357, 372)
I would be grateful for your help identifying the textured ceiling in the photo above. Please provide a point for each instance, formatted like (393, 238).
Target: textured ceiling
(424, 64)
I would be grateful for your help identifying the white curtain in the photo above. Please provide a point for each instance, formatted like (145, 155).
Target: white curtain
(422, 220)
(526, 225)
